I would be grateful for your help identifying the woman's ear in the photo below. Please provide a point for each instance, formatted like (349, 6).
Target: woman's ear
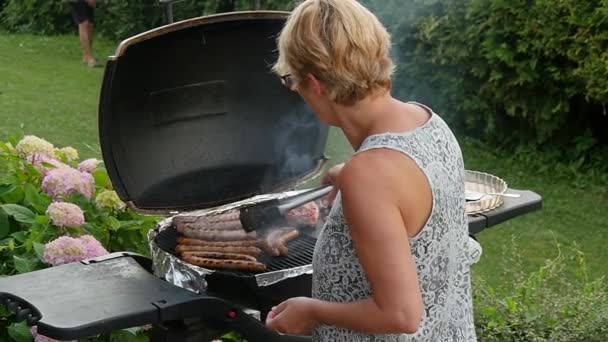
(315, 85)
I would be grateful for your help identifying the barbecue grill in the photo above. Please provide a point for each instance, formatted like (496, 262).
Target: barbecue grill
(192, 121)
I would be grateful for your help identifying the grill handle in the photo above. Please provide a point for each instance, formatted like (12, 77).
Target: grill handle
(295, 201)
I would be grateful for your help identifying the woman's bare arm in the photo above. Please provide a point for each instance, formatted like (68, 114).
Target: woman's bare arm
(371, 199)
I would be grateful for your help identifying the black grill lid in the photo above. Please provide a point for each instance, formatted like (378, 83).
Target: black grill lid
(191, 115)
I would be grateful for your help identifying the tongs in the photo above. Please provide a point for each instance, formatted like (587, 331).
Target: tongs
(271, 213)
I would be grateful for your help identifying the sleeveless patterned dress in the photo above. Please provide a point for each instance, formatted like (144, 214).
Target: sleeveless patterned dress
(442, 250)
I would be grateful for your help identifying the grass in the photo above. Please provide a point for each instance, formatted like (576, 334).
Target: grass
(46, 91)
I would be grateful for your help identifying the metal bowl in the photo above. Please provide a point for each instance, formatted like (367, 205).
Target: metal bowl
(484, 183)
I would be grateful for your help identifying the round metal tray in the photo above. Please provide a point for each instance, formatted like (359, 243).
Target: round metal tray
(484, 183)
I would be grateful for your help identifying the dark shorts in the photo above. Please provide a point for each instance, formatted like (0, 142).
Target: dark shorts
(81, 12)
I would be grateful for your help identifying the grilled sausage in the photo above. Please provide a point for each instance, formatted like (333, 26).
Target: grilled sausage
(220, 225)
(280, 240)
(216, 235)
(253, 251)
(208, 220)
(265, 245)
(275, 243)
(240, 265)
(219, 255)
(198, 242)
(284, 238)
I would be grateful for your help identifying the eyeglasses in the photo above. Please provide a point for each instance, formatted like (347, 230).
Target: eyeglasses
(288, 81)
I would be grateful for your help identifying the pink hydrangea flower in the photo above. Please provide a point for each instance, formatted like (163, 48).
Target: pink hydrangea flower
(39, 159)
(66, 181)
(65, 249)
(93, 247)
(42, 338)
(64, 214)
(88, 165)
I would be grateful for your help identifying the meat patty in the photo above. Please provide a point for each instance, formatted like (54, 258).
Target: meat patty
(307, 214)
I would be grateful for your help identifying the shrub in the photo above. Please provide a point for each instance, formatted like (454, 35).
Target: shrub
(115, 20)
(51, 204)
(543, 305)
(32, 16)
(511, 72)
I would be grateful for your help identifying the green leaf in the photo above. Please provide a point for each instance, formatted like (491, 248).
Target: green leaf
(20, 332)
(39, 249)
(6, 188)
(42, 219)
(126, 336)
(15, 195)
(19, 213)
(33, 197)
(25, 265)
(20, 236)
(4, 225)
(113, 222)
(32, 171)
(101, 178)
(4, 312)
(4, 147)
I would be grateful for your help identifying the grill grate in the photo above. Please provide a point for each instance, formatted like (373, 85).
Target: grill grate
(300, 252)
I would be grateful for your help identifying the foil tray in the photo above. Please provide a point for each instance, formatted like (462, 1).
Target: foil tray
(484, 183)
(193, 278)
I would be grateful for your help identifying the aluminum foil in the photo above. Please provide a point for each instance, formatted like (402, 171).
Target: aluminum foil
(193, 278)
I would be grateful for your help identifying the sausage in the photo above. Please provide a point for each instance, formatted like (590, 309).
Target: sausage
(275, 243)
(220, 225)
(216, 235)
(285, 238)
(265, 245)
(240, 265)
(197, 242)
(253, 251)
(280, 240)
(219, 255)
(209, 220)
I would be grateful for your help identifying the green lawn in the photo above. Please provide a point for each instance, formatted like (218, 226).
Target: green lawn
(46, 91)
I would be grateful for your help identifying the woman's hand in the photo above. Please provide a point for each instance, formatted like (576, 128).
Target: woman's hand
(294, 316)
(331, 177)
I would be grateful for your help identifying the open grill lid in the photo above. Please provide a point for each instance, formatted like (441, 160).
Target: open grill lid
(191, 115)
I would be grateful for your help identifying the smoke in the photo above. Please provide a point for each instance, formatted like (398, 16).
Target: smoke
(401, 18)
(298, 143)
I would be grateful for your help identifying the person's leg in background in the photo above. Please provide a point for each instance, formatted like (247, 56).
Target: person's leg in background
(84, 16)
(86, 41)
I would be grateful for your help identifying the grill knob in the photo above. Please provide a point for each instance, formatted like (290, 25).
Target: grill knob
(231, 314)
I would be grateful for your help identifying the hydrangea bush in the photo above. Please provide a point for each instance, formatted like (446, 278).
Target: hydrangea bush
(56, 209)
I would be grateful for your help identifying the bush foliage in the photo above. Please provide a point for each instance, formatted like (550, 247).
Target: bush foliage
(28, 224)
(512, 72)
(543, 305)
(116, 19)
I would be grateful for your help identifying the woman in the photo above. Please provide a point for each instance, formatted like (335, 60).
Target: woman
(391, 262)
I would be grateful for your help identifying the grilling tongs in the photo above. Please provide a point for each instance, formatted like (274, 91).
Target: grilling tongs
(271, 213)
